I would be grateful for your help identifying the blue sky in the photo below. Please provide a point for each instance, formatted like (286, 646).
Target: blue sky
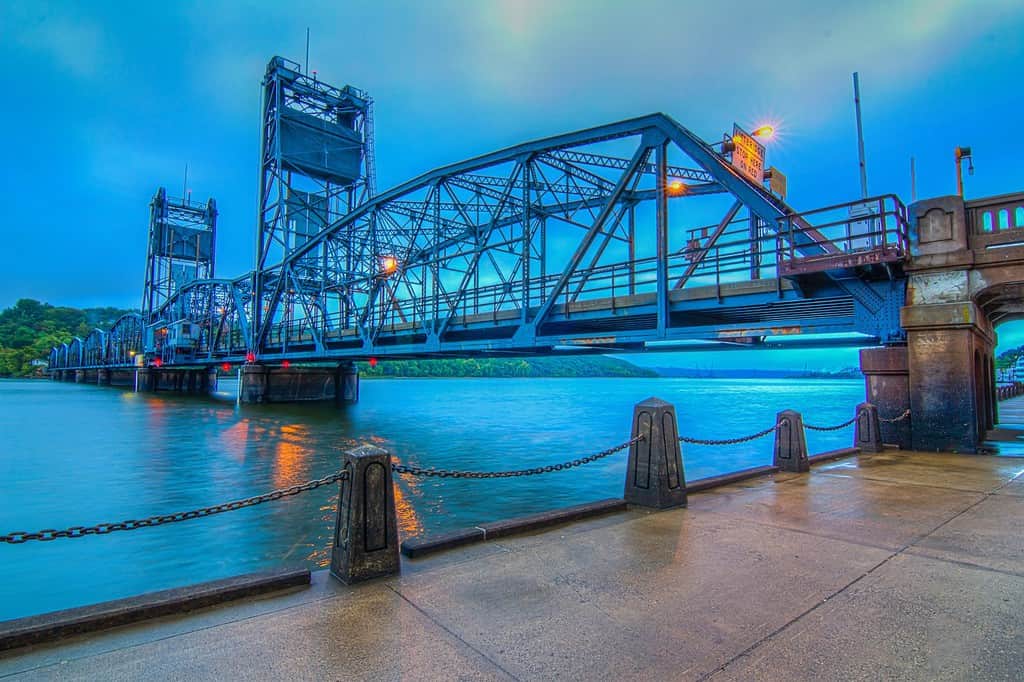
(104, 101)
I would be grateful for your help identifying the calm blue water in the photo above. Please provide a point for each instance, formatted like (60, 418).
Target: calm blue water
(79, 455)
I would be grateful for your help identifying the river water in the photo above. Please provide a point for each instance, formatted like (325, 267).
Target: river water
(79, 455)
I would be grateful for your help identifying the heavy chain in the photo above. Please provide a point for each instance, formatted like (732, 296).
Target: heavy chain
(729, 441)
(831, 428)
(18, 537)
(447, 473)
(906, 413)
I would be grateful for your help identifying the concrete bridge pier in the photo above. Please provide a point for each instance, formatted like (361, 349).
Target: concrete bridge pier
(266, 384)
(953, 275)
(887, 385)
(103, 377)
(79, 376)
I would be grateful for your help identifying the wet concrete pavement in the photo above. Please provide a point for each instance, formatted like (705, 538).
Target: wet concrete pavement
(890, 566)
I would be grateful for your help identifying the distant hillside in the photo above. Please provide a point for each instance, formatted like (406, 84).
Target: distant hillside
(29, 329)
(711, 373)
(563, 366)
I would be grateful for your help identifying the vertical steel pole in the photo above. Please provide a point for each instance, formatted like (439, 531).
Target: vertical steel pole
(860, 138)
(632, 249)
(661, 163)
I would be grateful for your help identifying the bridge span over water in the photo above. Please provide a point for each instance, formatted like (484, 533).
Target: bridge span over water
(628, 236)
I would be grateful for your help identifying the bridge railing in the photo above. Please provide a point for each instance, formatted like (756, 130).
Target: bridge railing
(848, 235)
(995, 221)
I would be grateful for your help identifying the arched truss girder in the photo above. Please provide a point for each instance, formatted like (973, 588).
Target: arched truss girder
(220, 307)
(474, 271)
(125, 340)
(94, 349)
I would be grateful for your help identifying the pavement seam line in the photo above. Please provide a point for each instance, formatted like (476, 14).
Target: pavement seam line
(441, 625)
(836, 474)
(856, 580)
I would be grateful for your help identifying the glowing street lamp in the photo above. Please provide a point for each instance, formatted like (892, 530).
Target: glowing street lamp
(765, 132)
(388, 265)
(676, 188)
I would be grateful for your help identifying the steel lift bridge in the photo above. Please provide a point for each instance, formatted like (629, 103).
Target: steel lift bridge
(632, 235)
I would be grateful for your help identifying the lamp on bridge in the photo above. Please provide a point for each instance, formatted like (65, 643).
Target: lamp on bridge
(388, 266)
(961, 153)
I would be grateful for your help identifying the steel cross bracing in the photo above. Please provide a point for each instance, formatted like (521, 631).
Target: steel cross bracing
(583, 241)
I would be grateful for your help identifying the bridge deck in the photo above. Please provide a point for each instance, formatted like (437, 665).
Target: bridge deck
(898, 565)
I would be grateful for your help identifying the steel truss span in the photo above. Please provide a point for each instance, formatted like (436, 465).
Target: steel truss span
(605, 239)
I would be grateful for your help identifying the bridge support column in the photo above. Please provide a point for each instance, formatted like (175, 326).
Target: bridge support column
(145, 380)
(887, 387)
(948, 350)
(346, 383)
(253, 387)
(103, 377)
(79, 376)
(263, 384)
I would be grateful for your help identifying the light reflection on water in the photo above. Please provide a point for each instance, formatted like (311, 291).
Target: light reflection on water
(78, 455)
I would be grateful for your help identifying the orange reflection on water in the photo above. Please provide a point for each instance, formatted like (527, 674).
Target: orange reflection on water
(290, 454)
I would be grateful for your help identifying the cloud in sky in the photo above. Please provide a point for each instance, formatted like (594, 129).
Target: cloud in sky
(108, 100)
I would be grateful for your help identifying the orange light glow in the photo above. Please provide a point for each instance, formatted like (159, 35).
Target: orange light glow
(765, 132)
(676, 188)
(388, 264)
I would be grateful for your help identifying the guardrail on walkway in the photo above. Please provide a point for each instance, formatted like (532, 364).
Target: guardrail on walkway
(1010, 391)
(365, 542)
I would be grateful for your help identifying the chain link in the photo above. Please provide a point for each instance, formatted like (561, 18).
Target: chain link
(18, 537)
(447, 473)
(831, 428)
(906, 413)
(729, 441)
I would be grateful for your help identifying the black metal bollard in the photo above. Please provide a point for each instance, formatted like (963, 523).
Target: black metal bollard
(654, 474)
(867, 430)
(790, 443)
(366, 531)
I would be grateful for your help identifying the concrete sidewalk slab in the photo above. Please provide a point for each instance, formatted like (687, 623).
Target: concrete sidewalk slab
(913, 618)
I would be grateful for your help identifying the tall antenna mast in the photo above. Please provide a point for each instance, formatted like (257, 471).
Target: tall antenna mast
(305, 69)
(184, 186)
(860, 138)
(913, 180)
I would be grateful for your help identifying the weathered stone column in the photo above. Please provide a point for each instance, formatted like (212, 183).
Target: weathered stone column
(867, 434)
(103, 377)
(887, 386)
(790, 443)
(949, 337)
(946, 344)
(654, 472)
(366, 531)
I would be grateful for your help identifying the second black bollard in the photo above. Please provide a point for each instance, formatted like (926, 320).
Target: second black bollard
(654, 473)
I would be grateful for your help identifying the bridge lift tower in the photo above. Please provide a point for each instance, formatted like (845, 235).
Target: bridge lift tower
(316, 165)
(182, 241)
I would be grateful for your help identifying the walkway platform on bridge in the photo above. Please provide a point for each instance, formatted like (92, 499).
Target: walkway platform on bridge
(1007, 438)
(898, 565)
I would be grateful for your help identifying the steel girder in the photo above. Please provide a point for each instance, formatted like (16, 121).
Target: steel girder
(475, 263)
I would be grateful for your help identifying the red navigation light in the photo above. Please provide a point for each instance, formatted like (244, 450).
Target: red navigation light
(157, 362)
(250, 357)
(286, 363)
(226, 367)
(373, 362)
